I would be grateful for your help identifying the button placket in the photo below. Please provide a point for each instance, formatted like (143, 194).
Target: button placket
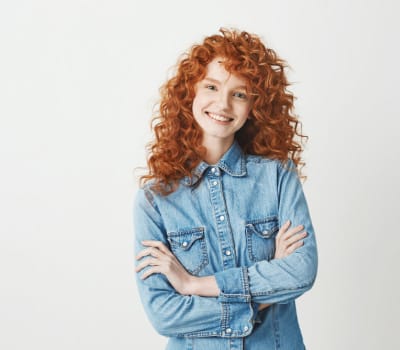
(215, 180)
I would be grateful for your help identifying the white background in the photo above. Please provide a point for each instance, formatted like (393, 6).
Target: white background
(78, 80)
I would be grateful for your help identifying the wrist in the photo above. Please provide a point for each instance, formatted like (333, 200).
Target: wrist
(202, 286)
(190, 286)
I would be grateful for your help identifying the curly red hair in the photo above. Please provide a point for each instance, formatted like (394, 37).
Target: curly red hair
(272, 130)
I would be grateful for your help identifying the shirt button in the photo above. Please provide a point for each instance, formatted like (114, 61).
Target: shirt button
(228, 330)
(213, 170)
(215, 183)
(228, 252)
(185, 244)
(246, 328)
(222, 218)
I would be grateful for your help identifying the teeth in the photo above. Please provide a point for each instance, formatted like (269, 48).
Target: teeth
(218, 117)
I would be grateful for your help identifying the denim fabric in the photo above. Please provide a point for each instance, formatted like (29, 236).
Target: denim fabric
(223, 221)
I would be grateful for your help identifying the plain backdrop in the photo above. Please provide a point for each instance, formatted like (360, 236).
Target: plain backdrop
(78, 81)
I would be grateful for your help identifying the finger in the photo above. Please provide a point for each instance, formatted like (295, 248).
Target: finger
(294, 246)
(283, 229)
(156, 244)
(296, 237)
(148, 251)
(149, 272)
(145, 252)
(146, 262)
(287, 235)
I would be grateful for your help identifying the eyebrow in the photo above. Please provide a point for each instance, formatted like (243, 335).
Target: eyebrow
(244, 87)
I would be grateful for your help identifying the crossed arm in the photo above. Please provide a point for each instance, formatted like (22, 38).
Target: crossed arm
(160, 259)
(179, 304)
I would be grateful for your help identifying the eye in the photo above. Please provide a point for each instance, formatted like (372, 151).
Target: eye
(211, 87)
(240, 95)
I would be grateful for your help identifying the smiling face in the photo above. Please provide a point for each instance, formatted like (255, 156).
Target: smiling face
(221, 105)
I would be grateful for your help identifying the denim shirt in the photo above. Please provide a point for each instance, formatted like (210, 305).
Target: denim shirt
(222, 221)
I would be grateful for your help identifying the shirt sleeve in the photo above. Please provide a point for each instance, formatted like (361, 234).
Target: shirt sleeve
(173, 314)
(280, 280)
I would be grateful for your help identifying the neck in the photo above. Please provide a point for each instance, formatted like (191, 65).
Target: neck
(216, 149)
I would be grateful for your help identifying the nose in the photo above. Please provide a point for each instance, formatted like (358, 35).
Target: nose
(223, 100)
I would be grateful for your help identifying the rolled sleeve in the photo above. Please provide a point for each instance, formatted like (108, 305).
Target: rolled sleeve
(234, 286)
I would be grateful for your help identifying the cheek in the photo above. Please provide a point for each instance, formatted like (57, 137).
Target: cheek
(198, 104)
(197, 109)
(245, 112)
(244, 115)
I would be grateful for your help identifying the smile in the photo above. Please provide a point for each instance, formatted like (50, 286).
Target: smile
(219, 117)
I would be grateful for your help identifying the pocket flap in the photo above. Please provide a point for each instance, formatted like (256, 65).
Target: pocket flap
(185, 239)
(264, 228)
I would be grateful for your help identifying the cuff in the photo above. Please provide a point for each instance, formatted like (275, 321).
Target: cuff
(234, 285)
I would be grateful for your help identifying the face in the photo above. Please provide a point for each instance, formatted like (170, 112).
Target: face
(221, 105)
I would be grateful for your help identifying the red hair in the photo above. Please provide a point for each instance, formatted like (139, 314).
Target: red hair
(271, 130)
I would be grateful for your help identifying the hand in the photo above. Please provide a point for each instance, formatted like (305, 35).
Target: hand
(161, 260)
(288, 240)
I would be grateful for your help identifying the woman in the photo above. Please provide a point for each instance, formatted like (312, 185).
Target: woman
(224, 239)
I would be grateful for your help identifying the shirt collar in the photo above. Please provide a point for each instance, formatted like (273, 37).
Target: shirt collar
(233, 162)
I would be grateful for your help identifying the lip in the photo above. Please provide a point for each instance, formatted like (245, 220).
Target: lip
(219, 117)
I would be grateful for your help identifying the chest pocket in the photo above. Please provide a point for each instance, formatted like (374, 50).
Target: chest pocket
(189, 247)
(260, 236)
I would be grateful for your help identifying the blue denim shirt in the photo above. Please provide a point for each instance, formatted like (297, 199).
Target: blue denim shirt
(223, 222)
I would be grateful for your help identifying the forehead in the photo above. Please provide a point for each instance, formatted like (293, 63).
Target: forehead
(217, 71)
